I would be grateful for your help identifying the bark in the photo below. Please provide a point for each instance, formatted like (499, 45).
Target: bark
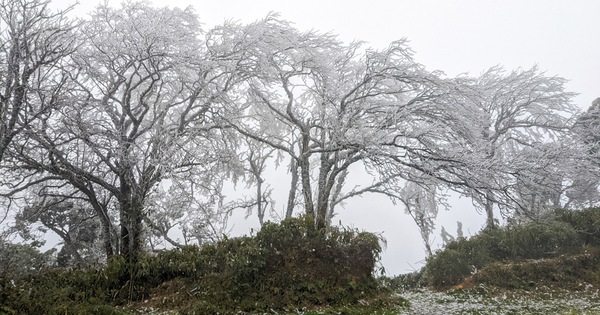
(259, 201)
(305, 175)
(324, 186)
(131, 212)
(293, 187)
(489, 211)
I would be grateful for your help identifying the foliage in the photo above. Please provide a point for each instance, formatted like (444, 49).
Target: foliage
(568, 271)
(73, 222)
(586, 222)
(464, 257)
(56, 291)
(408, 281)
(288, 265)
(520, 114)
(22, 259)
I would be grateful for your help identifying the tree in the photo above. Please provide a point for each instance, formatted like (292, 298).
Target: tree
(329, 106)
(76, 225)
(584, 187)
(421, 204)
(141, 113)
(256, 156)
(34, 45)
(190, 206)
(18, 260)
(519, 113)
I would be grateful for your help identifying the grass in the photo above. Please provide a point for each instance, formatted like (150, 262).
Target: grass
(480, 300)
(383, 304)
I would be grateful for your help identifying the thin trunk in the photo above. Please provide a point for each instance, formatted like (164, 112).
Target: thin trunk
(107, 237)
(323, 192)
(305, 175)
(293, 187)
(428, 249)
(489, 211)
(336, 194)
(259, 201)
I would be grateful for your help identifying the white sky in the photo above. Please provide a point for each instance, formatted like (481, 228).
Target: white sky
(455, 36)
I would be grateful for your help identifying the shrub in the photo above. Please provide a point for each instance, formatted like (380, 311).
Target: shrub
(287, 265)
(585, 222)
(448, 268)
(535, 241)
(54, 291)
(565, 271)
(463, 257)
(408, 281)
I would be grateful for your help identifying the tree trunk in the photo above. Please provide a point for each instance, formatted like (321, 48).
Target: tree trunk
(101, 211)
(259, 201)
(293, 187)
(131, 229)
(305, 175)
(107, 237)
(489, 211)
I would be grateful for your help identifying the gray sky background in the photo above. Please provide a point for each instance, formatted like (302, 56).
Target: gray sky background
(456, 36)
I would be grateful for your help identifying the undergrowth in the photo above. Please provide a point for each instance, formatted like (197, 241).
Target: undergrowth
(559, 251)
(285, 266)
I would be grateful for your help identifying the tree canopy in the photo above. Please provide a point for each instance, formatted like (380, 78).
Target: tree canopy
(136, 118)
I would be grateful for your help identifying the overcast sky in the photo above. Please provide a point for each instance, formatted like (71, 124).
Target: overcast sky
(462, 36)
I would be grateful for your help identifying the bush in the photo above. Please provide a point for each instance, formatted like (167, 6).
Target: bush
(535, 241)
(408, 281)
(54, 291)
(287, 265)
(565, 271)
(585, 222)
(463, 257)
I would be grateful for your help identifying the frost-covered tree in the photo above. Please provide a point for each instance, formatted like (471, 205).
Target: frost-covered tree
(584, 188)
(147, 88)
(256, 157)
(328, 106)
(189, 208)
(35, 43)
(519, 112)
(421, 204)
